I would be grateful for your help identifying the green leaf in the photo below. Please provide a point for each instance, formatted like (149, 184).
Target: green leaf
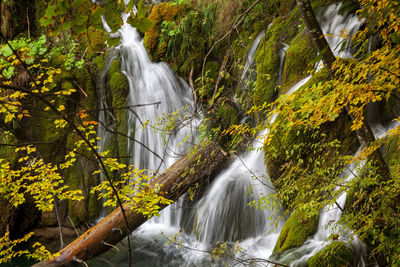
(142, 24)
(9, 72)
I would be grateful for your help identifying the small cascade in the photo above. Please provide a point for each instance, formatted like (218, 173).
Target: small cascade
(339, 29)
(282, 58)
(249, 67)
(223, 214)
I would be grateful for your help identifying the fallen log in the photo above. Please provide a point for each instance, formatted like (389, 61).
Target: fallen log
(192, 168)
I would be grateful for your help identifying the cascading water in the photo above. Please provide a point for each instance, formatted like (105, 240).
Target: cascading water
(248, 73)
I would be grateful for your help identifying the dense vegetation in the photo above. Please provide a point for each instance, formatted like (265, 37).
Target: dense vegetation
(50, 61)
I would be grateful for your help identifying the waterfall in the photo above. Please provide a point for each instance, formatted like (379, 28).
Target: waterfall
(282, 58)
(248, 73)
(157, 92)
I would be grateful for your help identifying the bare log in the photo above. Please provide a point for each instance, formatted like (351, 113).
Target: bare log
(192, 168)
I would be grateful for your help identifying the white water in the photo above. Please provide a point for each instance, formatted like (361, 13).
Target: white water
(248, 73)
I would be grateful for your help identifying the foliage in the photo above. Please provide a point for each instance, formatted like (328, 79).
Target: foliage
(37, 179)
(8, 249)
(133, 189)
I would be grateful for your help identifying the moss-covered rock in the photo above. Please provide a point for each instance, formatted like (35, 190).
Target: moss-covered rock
(296, 231)
(299, 57)
(336, 254)
(268, 62)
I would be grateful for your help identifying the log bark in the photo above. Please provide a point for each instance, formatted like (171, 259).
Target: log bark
(192, 168)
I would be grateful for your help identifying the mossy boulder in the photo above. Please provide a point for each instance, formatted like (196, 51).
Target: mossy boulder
(268, 62)
(299, 58)
(284, 28)
(336, 254)
(296, 231)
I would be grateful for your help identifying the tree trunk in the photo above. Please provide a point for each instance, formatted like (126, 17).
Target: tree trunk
(364, 134)
(190, 169)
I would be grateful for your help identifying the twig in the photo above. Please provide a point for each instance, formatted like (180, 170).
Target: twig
(193, 91)
(110, 245)
(80, 88)
(59, 223)
(73, 225)
(80, 261)
(221, 69)
(27, 21)
(250, 261)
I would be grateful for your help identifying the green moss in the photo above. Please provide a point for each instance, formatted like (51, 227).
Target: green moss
(97, 38)
(211, 70)
(284, 28)
(282, 140)
(119, 89)
(79, 176)
(271, 8)
(267, 59)
(299, 58)
(84, 79)
(336, 254)
(99, 62)
(295, 232)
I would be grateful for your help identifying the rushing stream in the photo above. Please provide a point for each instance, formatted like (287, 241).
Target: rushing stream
(223, 213)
